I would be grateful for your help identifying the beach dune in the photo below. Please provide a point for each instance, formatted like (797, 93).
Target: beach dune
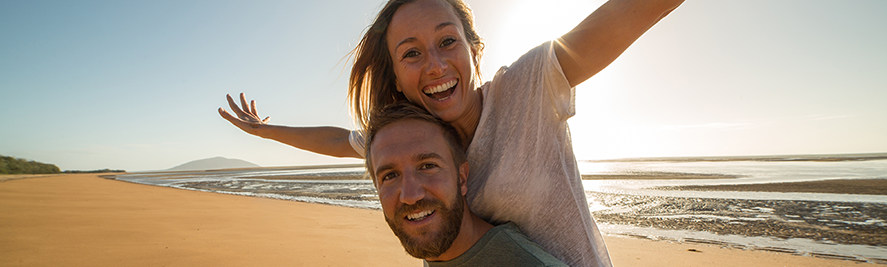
(85, 220)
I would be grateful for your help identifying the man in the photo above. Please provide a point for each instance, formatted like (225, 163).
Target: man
(419, 168)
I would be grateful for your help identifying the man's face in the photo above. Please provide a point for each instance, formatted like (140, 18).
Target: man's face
(420, 187)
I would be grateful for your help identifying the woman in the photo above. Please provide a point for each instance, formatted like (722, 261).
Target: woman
(522, 165)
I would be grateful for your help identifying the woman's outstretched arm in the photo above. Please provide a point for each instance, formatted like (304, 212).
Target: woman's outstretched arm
(599, 39)
(331, 141)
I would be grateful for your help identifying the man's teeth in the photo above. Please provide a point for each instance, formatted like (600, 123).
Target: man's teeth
(419, 215)
(440, 88)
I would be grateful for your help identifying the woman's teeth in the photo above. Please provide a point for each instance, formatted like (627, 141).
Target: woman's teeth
(431, 92)
(419, 216)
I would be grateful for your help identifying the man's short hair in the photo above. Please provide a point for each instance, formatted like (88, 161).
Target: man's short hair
(404, 110)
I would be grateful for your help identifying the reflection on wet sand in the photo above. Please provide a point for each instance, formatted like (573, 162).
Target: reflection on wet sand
(861, 186)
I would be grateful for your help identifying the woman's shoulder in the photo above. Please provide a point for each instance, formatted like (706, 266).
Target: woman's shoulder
(529, 63)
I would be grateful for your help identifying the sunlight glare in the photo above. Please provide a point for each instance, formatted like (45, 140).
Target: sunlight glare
(522, 25)
(517, 26)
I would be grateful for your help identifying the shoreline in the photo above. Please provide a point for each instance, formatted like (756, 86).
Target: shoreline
(86, 220)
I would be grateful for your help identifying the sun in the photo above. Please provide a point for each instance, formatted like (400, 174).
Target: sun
(511, 28)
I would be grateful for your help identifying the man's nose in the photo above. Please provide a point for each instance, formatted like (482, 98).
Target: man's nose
(411, 189)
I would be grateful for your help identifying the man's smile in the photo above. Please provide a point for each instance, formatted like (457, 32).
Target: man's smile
(419, 216)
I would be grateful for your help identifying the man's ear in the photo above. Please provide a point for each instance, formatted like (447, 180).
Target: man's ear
(463, 178)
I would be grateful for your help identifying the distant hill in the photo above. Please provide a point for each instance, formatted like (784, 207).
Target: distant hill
(214, 164)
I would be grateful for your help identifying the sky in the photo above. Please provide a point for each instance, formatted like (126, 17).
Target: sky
(135, 85)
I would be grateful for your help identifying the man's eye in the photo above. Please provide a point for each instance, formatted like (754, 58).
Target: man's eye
(389, 176)
(427, 166)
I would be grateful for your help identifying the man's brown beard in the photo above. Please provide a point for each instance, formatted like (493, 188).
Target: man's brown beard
(441, 242)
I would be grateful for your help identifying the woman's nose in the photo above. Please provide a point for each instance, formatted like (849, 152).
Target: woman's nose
(437, 64)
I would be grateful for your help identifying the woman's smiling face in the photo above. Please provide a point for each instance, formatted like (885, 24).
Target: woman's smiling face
(432, 59)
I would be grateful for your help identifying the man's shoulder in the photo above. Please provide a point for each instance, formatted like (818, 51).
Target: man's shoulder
(504, 245)
(522, 245)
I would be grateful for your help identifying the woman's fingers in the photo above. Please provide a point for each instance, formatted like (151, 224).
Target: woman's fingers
(227, 116)
(245, 112)
(243, 102)
(235, 108)
(239, 123)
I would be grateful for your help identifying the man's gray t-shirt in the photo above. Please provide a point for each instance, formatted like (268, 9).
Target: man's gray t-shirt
(504, 245)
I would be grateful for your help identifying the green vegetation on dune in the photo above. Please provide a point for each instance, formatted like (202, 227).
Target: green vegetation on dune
(96, 171)
(10, 165)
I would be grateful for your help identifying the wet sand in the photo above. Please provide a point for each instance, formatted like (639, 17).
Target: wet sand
(864, 187)
(822, 221)
(85, 220)
(795, 158)
(656, 176)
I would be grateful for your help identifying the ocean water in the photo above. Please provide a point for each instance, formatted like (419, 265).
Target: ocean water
(841, 226)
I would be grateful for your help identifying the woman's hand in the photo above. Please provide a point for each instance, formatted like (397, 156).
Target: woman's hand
(325, 140)
(247, 118)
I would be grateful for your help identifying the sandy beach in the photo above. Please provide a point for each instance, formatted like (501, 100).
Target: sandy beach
(86, 220)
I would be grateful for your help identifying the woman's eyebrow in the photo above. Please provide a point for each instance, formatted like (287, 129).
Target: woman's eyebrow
(437, 28)
(442, 25)
(407, 40)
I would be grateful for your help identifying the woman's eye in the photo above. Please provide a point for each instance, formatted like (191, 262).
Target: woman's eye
(411, 53)
(447, 41)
